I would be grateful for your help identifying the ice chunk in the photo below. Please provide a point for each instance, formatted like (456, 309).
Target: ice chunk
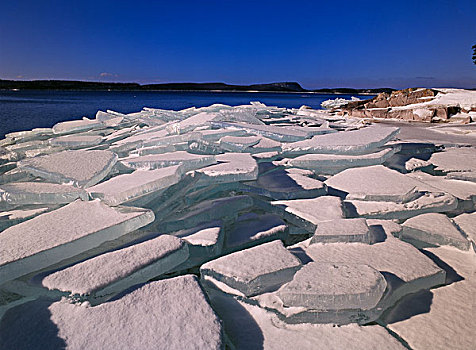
(206, 211)
(308, 213)
(76, 141)
(13, 217)
(427, 203)
(127, 187)
(251, 229)
(360, 141)
(217, 134)
(455, 160)
(23, 193)
(334, 163)
(155, 161)
(433, 228)
(193, 122)
(467, 224)
(76, 126)
(172, 313)
(110, 273)
(81, 168)
(254, 270)
(375, 183)
(231, 167)
(280, 184)
(64, 233)
(265, 145)
(326, 286)
(415, 163)
(342, 230)
(238, 144)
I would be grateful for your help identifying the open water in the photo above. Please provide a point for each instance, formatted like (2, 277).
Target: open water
(28, 109)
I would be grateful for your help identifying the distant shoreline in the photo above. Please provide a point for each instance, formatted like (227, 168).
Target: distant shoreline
(280, 87)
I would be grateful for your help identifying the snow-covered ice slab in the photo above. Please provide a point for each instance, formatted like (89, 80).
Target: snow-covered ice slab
(449, 322)
(427, 203)
(333, 286)
(191, 123)
(205, 211)
(16, 216)
(154, 161)
(434, 228)
(76, 141)
(113, 272)
(74, 126)
(342, 230)
(253, 270)
(334, 163)
(251, 229)
(231, 167)
(237, 143)
(281, 184)
(81, 168)
(24, 193)
(63, 233)
(308, 213)
(128, 187)
(455, 160)
(360, 141)
(166, 314)
(375, 183)
(467, 224)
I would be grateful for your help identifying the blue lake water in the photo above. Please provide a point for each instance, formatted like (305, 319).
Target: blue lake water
(25, 110)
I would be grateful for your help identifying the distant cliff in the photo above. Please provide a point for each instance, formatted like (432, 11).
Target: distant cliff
(100, 86)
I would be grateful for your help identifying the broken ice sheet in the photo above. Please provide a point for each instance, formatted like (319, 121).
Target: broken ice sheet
(342, 230)
(128, 187)
(76, 126)
(155, 161)
(231, 167)
(467, 224)
(375, 183)
(112, 272)
(281, 184)
(64, 233)
(433, 228)
(334, 286)
(76, 141)
(308, 213)
(172, 313)
(24, 193)
(334, 163)
(238, 143)
(253, 270)
(81, 168)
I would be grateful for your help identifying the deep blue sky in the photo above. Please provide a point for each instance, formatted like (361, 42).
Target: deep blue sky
(317, 43)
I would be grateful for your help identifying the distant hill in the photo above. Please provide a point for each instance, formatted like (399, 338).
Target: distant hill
(101, 86)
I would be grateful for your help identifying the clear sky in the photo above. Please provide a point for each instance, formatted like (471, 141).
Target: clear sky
(316, 43)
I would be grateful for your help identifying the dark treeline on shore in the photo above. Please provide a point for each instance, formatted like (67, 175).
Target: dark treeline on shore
(104, 86)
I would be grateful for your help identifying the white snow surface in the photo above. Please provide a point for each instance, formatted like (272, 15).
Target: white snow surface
(167, 314)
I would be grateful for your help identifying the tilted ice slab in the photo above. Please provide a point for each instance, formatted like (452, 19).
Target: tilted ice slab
(427, 203)
(113, 272)
(231, 167)
(435, 229)
(154, 161)
(334, 286)
(76, 141)
(265, 145)
(76, 126)
(81, 168)
(206, 211)
(333, 163)
(64, 233)
(342, 230)
(280, 184)
(253, 270)
(24, 193)
(375, 183)
(237, 143)
(127, 187)
(360, 141)
(276, 133)
(191, 123)
(13, 217)
(216, 134)
(467, 224)
(308, 213)
(251, 229)
(166, 314)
